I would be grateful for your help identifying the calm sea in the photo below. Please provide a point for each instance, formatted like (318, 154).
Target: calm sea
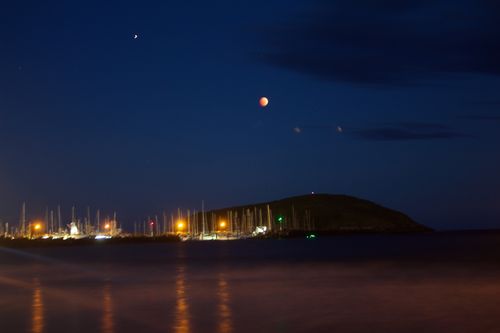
(439, 282)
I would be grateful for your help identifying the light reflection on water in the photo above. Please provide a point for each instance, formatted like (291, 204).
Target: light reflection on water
(203, 289)
(182, 318)
(224, 309)
(107, 324)
(37, 317)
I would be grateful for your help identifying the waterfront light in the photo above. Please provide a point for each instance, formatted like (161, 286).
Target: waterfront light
(107, 226)
(102, 237)
(222, 224)
(180, 225)
(35, 229)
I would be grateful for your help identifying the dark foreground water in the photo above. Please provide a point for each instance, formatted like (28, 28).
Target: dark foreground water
(442, 282)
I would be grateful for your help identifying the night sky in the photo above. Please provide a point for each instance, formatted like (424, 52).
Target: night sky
(90, 115)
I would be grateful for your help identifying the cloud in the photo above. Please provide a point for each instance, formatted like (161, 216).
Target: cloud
(481, 117)
(402, 131)
(487, 103)
(395, 134)
(390, 42)
(421, 126)
(407, 132)
(488, 110)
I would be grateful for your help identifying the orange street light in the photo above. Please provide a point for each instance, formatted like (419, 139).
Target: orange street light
(222, 224)
(180, 226)
(107, 226)
(38, 226)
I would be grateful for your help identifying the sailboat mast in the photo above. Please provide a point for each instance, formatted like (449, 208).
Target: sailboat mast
(268, 218)
(98, 220)
(51, 221)
(58, 218)
(87, 228)
(23, 220)
(203, 217)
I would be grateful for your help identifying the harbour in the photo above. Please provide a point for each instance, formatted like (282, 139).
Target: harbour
(305, 215)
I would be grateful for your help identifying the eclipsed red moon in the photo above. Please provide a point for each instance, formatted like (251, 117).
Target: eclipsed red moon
(263, 101)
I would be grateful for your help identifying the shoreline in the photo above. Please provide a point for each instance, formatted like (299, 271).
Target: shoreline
(87, 241)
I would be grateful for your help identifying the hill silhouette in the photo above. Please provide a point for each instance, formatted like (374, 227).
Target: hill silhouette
(318, 212)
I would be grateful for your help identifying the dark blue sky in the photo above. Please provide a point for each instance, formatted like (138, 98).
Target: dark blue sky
(90, 115)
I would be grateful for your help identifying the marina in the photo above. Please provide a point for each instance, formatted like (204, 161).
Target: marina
(188, 225)
(305, 215)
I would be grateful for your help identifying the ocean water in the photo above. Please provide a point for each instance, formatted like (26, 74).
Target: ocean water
(438, 282)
